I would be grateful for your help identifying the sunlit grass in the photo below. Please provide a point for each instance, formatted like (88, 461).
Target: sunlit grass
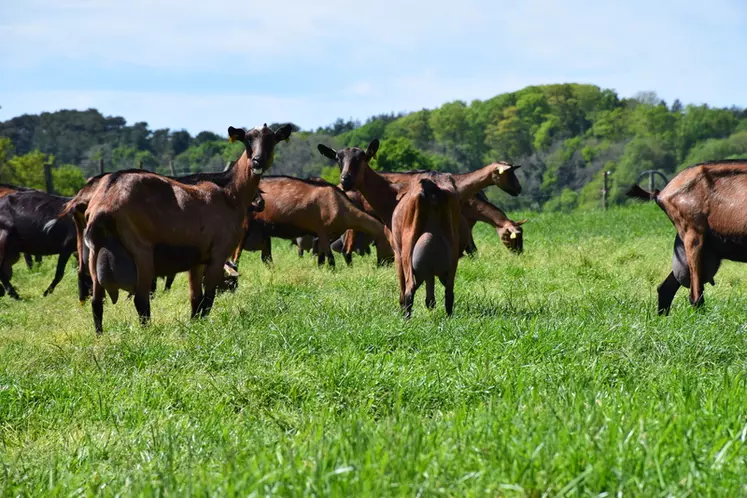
(554, 377)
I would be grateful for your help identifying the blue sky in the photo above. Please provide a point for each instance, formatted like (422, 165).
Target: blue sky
(205, 65)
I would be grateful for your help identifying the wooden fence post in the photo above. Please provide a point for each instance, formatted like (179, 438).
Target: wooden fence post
(605, 190)
(140, 164)
(101, 166)
(171, 167)
(48, 178)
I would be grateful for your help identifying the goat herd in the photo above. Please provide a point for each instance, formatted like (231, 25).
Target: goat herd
(130, 227)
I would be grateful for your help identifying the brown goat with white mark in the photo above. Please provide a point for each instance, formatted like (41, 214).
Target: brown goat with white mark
(295, 207)
(144, 210)
(706, 204)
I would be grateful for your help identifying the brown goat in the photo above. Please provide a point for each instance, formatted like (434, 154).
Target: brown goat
(425, 235)
(384, 196)
(78, 205)
(705, 203)
(474, 209)
(296, 207)
(145, 209)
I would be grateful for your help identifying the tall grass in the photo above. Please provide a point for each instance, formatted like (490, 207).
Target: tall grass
(554, 377)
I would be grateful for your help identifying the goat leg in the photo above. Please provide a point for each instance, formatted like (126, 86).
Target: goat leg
(29, 261)
(694, 251)
(169, 282)
(6, 266)
(667, 290)
(195, 288)
(448, 284)
(267, 250)
(213, 278)
(430, 292)
(8, 286)
(59, 273)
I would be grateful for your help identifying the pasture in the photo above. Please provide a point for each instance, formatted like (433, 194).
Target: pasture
(554, 377)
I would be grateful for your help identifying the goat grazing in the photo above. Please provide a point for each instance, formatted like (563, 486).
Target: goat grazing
(479, 208)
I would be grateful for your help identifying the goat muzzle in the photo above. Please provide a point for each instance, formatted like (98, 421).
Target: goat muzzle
(346, 182)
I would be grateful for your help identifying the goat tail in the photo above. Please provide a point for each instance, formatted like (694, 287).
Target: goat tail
(636, 192)
(48, 226)
(69, 207)
(98, 229)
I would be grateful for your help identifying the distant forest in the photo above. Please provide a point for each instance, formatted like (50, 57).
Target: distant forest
(563, 135)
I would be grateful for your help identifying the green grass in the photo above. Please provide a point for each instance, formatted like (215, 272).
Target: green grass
(554, 377)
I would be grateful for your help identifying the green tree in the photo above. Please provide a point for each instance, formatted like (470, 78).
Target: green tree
(399, 154)
(67, 179)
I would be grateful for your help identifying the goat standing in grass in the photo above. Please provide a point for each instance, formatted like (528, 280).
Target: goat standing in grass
(24, 220)
(384, 196)
(143, 210)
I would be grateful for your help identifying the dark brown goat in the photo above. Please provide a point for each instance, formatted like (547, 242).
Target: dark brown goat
(24, 220)
(7, 189)
(296, 207)
(144, 210)
(706, 205)
(384, 197)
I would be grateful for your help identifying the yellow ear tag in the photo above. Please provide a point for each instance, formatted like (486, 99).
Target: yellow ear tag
(502, 168)
(513, 235)
(231, 139)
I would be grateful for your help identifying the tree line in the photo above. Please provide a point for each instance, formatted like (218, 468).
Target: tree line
(565, 136)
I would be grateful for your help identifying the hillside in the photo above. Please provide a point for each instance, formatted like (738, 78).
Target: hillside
(565, 135)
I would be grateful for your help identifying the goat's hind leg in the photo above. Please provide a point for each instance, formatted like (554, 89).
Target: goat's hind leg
(666, 291)
(448, 283)
(59, 273)
(430, 292)
(694, 249)
(6, 265)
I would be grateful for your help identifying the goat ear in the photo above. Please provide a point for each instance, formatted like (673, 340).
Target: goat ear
(327, 152)
(283, 133)
(236, 134)
(372, 148)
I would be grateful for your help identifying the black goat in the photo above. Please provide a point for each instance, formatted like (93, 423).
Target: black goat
(24, 217)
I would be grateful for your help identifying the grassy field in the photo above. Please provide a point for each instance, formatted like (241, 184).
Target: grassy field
(554, 377)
